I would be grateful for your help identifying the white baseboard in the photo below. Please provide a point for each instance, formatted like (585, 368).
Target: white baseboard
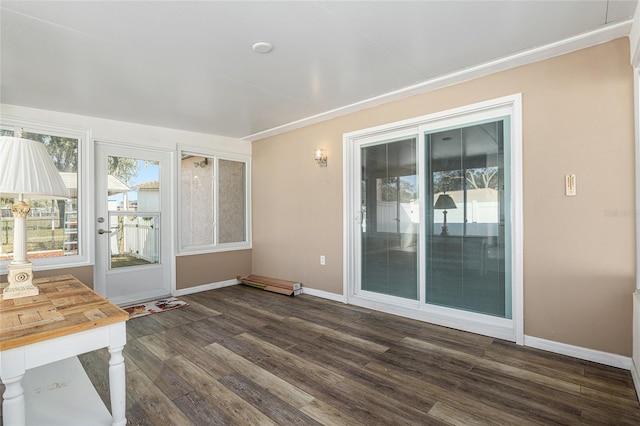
(205, 287)
(305, 290)
(324, 294)
(635, 375)
(600, 357)
(635, 359)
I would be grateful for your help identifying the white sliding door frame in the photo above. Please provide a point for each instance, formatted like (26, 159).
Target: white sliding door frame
(508, 329)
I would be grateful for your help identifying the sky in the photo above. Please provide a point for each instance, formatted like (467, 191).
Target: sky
(147, 172)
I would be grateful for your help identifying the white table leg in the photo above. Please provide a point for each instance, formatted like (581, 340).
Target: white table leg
(117, 386)
(13, 410)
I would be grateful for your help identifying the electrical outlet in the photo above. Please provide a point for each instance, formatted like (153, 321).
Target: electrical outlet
(322, 260)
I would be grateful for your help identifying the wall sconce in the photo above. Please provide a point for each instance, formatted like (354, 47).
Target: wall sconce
(321, 157)
(202, 163)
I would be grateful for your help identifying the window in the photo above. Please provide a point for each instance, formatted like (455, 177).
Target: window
(214, 202)
(56, 235)
(232, 201)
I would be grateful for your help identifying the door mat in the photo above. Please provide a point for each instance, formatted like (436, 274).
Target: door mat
(154, 307)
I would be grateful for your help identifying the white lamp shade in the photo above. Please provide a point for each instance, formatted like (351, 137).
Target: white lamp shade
(26, 168)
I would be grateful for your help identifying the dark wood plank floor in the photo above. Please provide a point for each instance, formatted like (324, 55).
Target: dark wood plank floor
(244, 356)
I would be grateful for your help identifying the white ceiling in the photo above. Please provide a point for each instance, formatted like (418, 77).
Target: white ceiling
(189, 65)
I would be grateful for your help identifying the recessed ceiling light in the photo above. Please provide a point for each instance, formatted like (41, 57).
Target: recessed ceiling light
(262, 47)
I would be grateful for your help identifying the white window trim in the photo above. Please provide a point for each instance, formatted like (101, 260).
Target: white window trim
(509, 329)
(216, 247)
(85, 254)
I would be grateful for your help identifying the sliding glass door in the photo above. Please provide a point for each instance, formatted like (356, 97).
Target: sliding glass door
(433, 218)
(466, 256)
(389, 208)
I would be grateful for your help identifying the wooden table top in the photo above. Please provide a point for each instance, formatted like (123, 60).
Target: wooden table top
(64, 306)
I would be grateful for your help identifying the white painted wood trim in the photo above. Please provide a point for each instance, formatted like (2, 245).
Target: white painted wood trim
(581, 41)
(348, 251)
(635, 375)
(636, 125)
(635, 337)
(517, 220)
(205, 287)
(221, 284)
(586, 354)
(634, 39)
(324, 294)
(635, 355)
(484, 325)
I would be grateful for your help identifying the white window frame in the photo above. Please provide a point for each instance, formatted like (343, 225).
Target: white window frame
(85, 184)
(215, 156)
(509, 329)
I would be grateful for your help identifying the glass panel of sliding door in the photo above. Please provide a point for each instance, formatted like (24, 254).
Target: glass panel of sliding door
(390, 218)
(467, 257)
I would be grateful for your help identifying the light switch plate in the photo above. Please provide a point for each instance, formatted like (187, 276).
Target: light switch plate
(570, 185)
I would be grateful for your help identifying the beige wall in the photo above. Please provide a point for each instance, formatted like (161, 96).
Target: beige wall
(199, 269)
(191, 270)
(579, 268)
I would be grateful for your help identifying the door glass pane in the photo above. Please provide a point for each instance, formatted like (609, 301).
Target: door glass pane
(197, 220)
(231, 201)
(134, 212)
(466, 256)
(134, 239)
(390, 218)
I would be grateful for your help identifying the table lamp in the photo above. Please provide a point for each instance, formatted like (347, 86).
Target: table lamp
(444, 202)
(26, 170)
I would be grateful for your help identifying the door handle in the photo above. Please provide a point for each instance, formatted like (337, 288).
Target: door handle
(102, 231)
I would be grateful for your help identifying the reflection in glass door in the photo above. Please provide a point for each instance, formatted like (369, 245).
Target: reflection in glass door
(467, 255)
(134, 217)
(134, 239)
(389, 208)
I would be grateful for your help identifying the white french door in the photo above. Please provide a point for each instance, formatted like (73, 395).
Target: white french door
(133, 225)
